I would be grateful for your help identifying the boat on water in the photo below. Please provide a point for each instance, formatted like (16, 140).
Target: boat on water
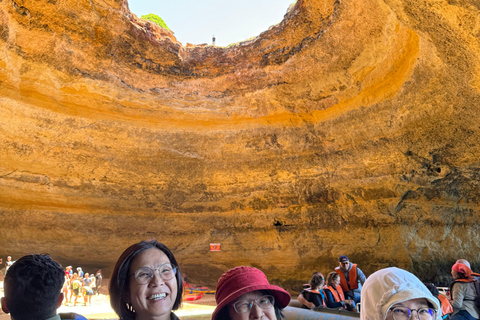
(193, 296)
(294, 311)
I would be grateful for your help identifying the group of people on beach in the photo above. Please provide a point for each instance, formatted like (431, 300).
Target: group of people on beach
(146, 284)
(80, 284)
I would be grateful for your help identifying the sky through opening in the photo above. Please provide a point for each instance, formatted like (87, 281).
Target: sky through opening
(196, 21)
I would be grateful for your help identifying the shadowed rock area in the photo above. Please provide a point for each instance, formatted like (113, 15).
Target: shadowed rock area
(351, 127)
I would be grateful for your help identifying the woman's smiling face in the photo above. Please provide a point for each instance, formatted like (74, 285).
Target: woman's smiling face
(155, 299)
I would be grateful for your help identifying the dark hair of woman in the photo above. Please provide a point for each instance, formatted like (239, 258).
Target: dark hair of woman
(316, 281)
(332, 276)
(119, 287)
(461, 275)
(433, 289)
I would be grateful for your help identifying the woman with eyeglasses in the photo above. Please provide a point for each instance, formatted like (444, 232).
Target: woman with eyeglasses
(146, 283)
(244, 293)
(396, 294)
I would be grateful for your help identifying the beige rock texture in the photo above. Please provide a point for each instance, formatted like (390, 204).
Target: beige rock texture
(351, 127)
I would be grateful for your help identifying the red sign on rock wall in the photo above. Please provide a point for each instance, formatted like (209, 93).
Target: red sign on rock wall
(214, 246)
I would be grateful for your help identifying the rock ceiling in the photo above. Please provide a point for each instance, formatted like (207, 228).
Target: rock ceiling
(351, 127)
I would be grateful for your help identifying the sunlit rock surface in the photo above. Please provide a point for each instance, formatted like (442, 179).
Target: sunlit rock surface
(351, 127)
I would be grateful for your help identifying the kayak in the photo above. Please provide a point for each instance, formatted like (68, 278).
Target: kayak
(192, 297)
(196, 289)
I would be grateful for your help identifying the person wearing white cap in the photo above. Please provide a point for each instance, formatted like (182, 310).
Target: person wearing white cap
(396, 294)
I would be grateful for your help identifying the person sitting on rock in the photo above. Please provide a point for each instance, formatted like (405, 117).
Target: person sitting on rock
(351, 278)
(32, 289)
(313, 297)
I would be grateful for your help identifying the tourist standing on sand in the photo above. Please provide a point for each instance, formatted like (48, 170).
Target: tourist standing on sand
(8, 264)
(213, 40)
(87, 289)
(77, 288)
(66, 287)
(80, 273)
(98, 281)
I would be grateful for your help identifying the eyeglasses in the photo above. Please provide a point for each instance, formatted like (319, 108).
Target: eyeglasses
(244, 306)
(404, 313)
(145, 274)
(345, 263)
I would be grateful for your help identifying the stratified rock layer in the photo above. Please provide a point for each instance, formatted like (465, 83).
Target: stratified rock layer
(351, 127)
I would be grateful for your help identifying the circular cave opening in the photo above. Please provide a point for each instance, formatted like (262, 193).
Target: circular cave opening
(199, 22)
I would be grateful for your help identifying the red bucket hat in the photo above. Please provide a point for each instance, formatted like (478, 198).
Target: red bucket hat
(241, 280)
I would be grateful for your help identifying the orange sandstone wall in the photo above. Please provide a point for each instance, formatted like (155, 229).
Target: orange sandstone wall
(351, 127)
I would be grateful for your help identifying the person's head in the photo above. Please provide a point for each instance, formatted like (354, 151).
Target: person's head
(465, 262)
(344, 262)
(245, 292)
(32, 288)
(333, 279)
(393, 293)
(75, 276)
(461, 271)
(146, 281)
(316, 281)
(432, 288)
(87, 275)
(9, 258)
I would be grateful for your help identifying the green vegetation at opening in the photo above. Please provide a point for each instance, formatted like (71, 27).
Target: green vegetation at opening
(155, 19)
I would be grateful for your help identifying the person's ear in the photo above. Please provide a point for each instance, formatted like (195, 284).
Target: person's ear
(60, 300)
(4, 305)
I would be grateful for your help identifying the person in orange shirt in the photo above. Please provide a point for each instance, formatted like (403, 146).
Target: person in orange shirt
(444, 303)
(351, 278)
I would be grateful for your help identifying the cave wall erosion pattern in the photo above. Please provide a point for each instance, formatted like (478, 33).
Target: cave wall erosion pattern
(351, 127)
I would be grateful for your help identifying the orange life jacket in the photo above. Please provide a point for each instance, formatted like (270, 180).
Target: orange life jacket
(337, 293)
(317, 292)
(445, 304)
(352, 278)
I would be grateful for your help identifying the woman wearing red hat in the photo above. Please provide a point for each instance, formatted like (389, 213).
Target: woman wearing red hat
(462, 292)
(244, 292)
